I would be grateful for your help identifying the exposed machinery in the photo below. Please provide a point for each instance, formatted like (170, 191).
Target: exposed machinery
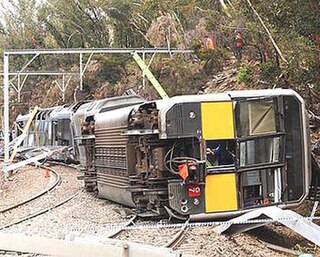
(203, 156)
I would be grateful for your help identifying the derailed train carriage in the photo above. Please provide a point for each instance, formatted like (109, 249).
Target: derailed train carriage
(204, 156)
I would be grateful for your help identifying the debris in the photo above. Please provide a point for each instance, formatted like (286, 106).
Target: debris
(34, 159)
(291, 219)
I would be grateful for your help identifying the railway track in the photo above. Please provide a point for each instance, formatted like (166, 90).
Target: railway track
(51, 186)
(178, 237)
(40, 203)
(172, 238)
(37, 213)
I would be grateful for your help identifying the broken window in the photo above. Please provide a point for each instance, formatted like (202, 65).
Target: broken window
(220, 152)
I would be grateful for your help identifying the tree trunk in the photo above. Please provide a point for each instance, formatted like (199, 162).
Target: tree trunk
(268, 32)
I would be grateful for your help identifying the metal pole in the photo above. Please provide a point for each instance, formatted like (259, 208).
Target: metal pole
(6, 111)
(63, 88)
(19, 88)
(81, 72)
(97, 51)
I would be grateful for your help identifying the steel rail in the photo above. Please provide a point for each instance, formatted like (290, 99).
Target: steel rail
(48, 189)
(178, 236)
(33, 215)
(280, 248)
(118, 231)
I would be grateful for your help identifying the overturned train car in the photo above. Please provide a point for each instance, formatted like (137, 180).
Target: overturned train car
(204, 156)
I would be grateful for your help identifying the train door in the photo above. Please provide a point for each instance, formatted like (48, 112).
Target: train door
(221, 193)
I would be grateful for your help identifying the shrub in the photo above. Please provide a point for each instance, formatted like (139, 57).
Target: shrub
(269, 72)
(244, 74)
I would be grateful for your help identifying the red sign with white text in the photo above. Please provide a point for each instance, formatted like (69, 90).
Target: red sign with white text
(194, 190)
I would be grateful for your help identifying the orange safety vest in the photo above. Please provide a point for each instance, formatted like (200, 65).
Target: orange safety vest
(209, 43)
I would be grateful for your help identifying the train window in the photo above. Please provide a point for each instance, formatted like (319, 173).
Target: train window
(260, 151)
(220, 152)
(259, 187)
(256, 117)
(62, 132)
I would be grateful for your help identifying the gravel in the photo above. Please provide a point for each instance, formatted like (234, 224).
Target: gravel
(69, 185)
(24, 183)
(89, 215)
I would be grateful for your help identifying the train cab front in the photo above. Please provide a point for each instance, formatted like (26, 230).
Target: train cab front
(235, 152)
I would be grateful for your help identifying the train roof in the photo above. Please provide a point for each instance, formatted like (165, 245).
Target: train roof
(107, 104)
(225, 96)
(62, 113)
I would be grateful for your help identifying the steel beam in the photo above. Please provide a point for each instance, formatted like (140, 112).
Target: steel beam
(96, 51)
(24, 134)
(143, 73)
(155, 83)
(40, 73)
(83, 69)
(33, 159)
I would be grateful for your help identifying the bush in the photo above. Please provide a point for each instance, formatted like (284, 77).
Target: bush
(244, 74)
(269, 72)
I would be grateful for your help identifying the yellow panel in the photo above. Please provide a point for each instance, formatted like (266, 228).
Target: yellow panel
(217, 120)
(221, 192)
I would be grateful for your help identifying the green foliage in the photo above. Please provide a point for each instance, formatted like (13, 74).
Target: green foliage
(112, 68)
(180, 76)
(244, 74)
(269, 71)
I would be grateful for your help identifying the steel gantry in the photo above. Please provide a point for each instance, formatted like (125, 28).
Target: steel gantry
(19, 77)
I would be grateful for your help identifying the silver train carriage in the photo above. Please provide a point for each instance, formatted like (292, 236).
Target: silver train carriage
(204, 156)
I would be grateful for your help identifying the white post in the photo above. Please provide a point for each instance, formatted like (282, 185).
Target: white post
(19, 89)
(6, 111)
(63, 88)
(81, 72)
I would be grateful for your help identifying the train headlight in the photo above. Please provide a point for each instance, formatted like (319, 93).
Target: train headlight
(192, 115)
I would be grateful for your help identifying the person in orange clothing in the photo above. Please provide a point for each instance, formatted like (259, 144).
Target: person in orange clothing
(238, 45)
(208, 43)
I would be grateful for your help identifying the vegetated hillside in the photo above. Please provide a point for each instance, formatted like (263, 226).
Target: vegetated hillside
(281, 41)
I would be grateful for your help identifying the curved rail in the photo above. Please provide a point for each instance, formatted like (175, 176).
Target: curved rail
(52, 186)
(178, 236)
(280, 248)
(41, 211)
(118, 231)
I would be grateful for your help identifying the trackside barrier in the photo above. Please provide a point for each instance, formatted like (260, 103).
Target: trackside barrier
(81, 247)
